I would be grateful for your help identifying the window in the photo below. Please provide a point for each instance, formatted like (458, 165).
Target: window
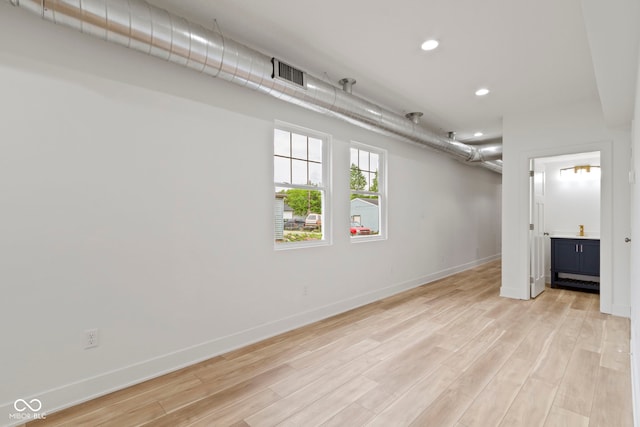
(367, 192)
(300, 181)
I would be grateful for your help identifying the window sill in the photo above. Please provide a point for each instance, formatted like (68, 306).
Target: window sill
(363, 239)
(300, 245)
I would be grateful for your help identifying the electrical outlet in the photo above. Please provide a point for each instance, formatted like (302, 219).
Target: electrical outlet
(305, 290)
(90, 338)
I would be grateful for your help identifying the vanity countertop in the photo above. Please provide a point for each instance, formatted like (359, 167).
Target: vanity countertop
(574, 236)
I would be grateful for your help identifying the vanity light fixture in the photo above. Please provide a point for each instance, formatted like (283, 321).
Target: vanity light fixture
(579, 170)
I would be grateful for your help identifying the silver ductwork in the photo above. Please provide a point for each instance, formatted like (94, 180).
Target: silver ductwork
(489, 151)
(154, 31)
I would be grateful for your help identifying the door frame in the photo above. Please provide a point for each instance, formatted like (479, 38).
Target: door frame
(537, 235)
(606, 212)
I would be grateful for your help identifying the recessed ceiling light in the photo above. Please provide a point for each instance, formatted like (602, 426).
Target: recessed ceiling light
(482, 92)
(430, 44)
(478, 134)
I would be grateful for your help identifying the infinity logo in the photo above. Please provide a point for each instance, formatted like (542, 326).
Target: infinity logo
(21, 405)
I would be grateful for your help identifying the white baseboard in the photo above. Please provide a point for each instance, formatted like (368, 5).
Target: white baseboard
(621, 310)
(513, 293)
(90, 388)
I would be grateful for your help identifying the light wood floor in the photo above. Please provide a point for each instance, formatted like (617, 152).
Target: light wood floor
(451, 353)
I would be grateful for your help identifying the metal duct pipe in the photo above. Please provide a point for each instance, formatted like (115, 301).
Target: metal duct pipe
(149, 29)
(489, 151)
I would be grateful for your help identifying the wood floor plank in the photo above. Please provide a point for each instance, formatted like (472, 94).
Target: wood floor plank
(559, 417)
(208, 406)
(235, 413)
(578, 385)
(531, 405)
(552, 361)
(255, 384)
(352, 415)
(534, 343)
(615, 343)
(612, 403)
(310, 392)
(114, 405)
(136, 417)
(476, 376)
(376, 399)
(591, 334)
(316, 371)
(398, 373)
(493, 402)
(414, 401)
(444, 411)
(330, 404)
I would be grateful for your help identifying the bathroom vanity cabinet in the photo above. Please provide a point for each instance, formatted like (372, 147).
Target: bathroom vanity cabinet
(575, 263)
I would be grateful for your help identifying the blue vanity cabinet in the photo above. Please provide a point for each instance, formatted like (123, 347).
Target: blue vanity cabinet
(575, 257)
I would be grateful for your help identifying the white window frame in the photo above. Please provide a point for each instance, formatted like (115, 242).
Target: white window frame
(381, 193)
(325, 188)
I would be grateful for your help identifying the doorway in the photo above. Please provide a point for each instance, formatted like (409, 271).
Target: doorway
(565, 202)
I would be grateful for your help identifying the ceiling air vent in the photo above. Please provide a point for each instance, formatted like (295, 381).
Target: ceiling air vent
(287, 72)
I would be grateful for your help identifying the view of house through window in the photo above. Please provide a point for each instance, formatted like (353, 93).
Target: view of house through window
(298, 177)
(366, 194)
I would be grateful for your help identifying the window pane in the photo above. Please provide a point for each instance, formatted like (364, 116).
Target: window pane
(364, 160)
(357, 179)
(365, 216)
(299, 172)
(354, 156)
(315, 150)
(281, 145)
(299, 146)
(281, 170)
(368, 176)
(315, 174)
(375, 161)
(293, 222)
(374, 182)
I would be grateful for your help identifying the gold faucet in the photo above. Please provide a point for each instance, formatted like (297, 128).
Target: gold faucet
(581, 230)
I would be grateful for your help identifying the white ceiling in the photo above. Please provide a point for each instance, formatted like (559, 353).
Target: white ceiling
(530, 54)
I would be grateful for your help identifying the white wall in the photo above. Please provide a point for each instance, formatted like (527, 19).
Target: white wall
(136, 198)
(563, 130)
(572, 200)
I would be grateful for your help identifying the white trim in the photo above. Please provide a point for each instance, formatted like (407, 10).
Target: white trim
(90, 388)
(621, 310)
(513, 293)
(635, 383)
